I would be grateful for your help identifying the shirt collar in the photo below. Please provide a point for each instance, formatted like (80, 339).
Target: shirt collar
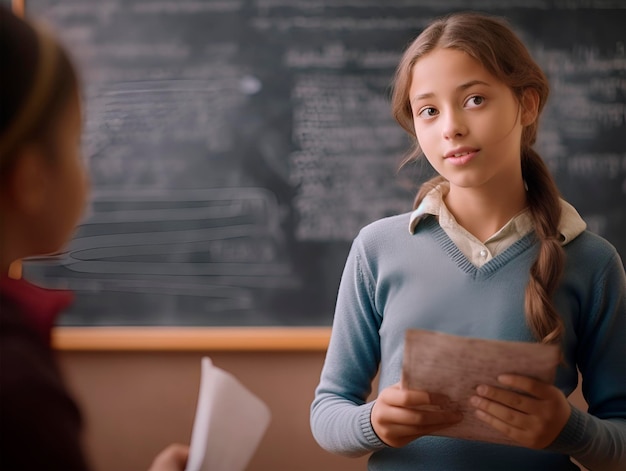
(40, 306)
(571, 224)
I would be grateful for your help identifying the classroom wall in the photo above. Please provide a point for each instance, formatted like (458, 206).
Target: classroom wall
(137, 403)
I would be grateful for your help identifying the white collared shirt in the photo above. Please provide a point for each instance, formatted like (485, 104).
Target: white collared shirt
(477, 252)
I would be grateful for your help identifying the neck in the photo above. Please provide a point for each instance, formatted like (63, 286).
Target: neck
(482, 211)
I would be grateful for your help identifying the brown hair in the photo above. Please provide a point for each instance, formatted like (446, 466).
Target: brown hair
(40, 84)
(491, 42)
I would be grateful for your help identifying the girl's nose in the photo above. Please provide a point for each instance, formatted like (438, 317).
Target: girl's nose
(453, 126)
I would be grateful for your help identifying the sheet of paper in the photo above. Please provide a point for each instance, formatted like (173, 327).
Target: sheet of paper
(229, 424)
(454, 366)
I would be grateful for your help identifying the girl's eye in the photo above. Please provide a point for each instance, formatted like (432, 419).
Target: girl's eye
(474, 101)
(428, 112)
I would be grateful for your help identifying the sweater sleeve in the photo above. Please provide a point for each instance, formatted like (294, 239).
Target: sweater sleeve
(597, 438)
(340, 416)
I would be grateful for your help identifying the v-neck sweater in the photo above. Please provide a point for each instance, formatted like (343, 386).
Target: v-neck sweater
(570, 226)
(394, 280)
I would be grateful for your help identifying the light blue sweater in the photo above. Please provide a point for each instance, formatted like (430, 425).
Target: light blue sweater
(394, 280)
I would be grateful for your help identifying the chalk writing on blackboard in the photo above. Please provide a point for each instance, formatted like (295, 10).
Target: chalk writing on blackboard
(237, 146)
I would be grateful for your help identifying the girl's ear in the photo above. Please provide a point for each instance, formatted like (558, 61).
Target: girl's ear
(29, 181)
(530, 106)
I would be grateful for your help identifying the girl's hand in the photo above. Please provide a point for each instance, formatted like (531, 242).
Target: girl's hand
(533, 419)
(173, 458)
(399, 416)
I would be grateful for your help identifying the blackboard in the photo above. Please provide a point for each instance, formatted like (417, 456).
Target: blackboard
(237, 146)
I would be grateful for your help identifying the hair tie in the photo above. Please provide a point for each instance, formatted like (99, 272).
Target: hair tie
(30, 112)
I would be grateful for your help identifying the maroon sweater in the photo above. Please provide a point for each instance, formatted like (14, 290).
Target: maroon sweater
(40, 425)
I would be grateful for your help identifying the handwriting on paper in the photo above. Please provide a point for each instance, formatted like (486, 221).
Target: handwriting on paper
(455, 366)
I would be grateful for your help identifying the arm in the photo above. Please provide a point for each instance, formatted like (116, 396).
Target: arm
(597, 438)
(340, 419)
(340, 416)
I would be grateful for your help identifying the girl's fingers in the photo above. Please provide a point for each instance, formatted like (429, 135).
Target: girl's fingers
(511, 399)
(533, 414)
(530, 386)
(399, 415)
(397, 426)
(397, 396)
(497, 410)
(505, 427)
(418, 418)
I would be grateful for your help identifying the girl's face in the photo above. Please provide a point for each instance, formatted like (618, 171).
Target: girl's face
(466, 121)
(67, 181)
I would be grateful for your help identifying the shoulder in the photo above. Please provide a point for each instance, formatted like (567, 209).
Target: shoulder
(33, 397)
(590, 250)
(390, 240)
(26, 357)
(593, 265)
(385, 231)
(14, 328)
(384, 245)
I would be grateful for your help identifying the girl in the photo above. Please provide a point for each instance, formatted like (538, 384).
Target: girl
(490, 251)
(43, 189)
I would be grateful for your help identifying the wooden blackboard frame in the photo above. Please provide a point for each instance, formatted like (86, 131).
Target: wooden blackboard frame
(185, 339)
